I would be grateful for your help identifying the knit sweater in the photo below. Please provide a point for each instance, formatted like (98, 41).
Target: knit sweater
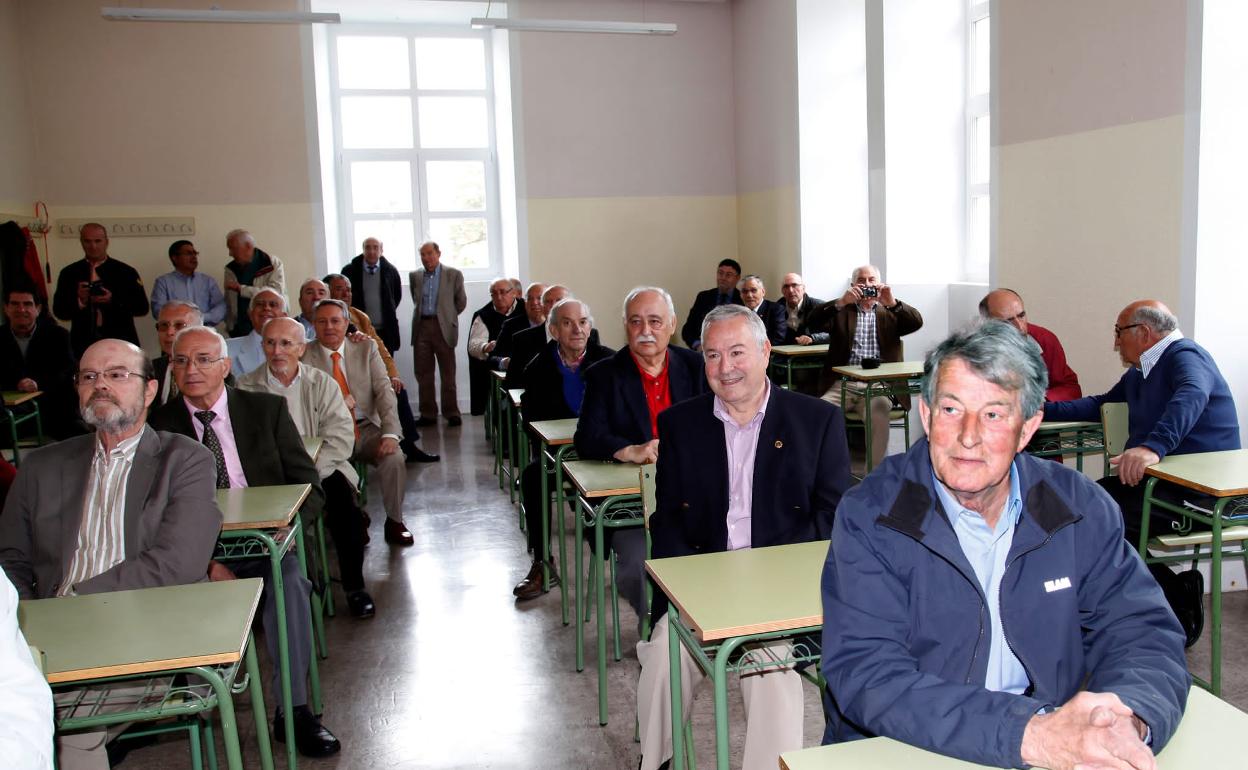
(1183, 407)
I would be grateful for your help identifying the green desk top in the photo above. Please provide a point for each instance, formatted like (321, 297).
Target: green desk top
(1057, 427)
(750, 591)
(312, 445)
(143, 631)
(595, 478)
(260, 507)
(1206, 739)
(555, 432)
(515, 395)
(799, 351)
(1221, 474)
(902, 370)
(15, 397)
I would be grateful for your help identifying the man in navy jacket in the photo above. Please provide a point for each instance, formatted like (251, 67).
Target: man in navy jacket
(982, 603)
(725, 293)
(747, 466)
(1178, 403)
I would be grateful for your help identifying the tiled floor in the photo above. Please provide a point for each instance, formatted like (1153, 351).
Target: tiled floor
(452, 673)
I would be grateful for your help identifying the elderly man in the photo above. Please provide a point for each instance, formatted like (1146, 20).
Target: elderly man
(377, 290)
(555, 390)
(867, 321)
(369, 395)
(438, 293)
(483, 332)
(727, 274)
(528, 343)
(754, 296)
(311, 291)
(317, 408)
(99, 296)
(188, 285)
(1006, 305)
(254, 443)
(175, 315)
(726, 480)
(534, 315)
(624, 396)
(249, 270)
(128, 507)
(35, 355)
(1178, 403)
(798, 306)
(981, 603)
(247, 352)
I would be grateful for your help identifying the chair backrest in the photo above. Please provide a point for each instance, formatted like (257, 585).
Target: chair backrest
(1114, 428)
(647, 492)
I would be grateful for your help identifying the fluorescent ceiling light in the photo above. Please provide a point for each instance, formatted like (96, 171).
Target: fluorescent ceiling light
(219, 15)
(577, 25)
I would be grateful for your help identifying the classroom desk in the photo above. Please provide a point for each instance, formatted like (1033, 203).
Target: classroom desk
(497, 409)
(885, 380)
(517, 446)
(16, 398)
(1224, 475)
(312, 445)
(254, 524)
(1206, 739)
(722, 601)
(786, 359)
(608, 495)
(1055, 439)
(554, 446)
(202, 630)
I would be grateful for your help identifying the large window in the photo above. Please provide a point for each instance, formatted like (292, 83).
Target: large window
(978, 143)
(413, 122)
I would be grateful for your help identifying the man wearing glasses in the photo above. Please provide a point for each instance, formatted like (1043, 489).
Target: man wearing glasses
(185, 284)
(129, 507)
(1178, 403)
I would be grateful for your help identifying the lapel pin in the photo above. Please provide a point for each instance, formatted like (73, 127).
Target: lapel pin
(779, 444)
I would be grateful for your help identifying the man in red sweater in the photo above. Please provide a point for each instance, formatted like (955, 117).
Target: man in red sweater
(1006, 305)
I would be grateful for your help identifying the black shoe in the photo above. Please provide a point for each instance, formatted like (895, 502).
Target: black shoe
(455, 421)
(361, 604)
(122, 745)
(425, 422)
(1187, 599)
(418, 455)
(311, 737)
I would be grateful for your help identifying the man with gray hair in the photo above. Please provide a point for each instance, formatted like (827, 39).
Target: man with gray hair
(775, 318)
(246, 352)
(175, 315)
(249, 270)
(1178, 403)
(980, 602)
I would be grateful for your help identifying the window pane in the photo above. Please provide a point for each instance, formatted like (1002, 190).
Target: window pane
(982, 139)
(462, 241)
(456, 185)
(450, 63)
(453, 121)
(981, 58)
(381, 187)
(398, 240)
(376, 122)
(373, 62)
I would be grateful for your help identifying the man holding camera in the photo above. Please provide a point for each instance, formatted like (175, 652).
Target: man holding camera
(99, 296)
(866, 322)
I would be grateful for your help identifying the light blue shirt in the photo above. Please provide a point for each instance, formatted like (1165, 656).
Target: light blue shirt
(198, 288)
(986, 550)
(309, 330)
(246, 353)
(429, 291)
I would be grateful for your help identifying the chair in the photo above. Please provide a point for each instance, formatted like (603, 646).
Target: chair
(1114, 426)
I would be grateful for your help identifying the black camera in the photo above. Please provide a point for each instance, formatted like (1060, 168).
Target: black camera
(96, 289)
(870, 291)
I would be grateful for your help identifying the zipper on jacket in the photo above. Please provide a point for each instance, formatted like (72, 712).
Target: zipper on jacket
(1004, 634)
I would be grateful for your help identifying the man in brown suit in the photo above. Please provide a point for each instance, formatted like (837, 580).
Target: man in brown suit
(438, 294)
(867, 321)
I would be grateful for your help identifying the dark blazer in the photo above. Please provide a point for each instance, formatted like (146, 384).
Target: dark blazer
(525, 346)
(50, 362)
(704, 303)
(391, 296)
(614, 413)
(804, 310)
(269, 447)
(512, 325)
(776, 319)
(543, 395)
(171, 516)
(160, 365)
(891, 324)
(129, 301)
(801, 469)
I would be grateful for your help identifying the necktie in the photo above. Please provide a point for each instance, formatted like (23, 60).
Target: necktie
(341, 378)
(210, 441)
(371, 269)
(723, 299)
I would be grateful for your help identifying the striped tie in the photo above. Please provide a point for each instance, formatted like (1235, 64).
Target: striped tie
(214, 444)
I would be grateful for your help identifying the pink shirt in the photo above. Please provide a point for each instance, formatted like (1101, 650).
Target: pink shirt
(742, 443)
(225, 436)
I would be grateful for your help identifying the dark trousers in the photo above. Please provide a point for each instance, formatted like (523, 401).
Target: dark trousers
(478, 385)
(407, 421)
(1131, 501)
(531, 495)
(345, 522)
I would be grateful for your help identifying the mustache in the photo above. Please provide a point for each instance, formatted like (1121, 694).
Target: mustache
(102, 397)
(646, 338)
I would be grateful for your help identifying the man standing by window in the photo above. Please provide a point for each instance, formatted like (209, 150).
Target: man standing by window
(438, 293)
(377, 290)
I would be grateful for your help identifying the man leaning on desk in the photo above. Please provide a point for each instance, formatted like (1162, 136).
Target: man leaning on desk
(782, 470)
(982, 603)
(129, 507)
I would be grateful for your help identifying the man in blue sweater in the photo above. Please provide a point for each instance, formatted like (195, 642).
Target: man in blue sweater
(1178, 403)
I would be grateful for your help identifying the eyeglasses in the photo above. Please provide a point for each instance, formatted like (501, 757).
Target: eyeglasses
(115, 376)
(1118, 330)
(200, 362)
(164, 326)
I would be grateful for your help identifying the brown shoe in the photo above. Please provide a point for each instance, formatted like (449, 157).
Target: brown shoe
(397, 533)
(531, 586)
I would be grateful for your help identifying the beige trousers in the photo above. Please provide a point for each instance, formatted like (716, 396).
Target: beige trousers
(855, 405)
(391, 469)
(85, 750)
(773, 702)
(428, 347)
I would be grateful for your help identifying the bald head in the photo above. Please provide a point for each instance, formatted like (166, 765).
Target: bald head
(1139, 326)
(311, 292)
(1004, 305)
(793, 288)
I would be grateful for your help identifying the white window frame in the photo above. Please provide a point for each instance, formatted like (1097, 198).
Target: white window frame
(978, 105)
(416, 156)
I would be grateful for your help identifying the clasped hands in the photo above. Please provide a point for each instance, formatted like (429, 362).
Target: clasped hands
(1092, 731)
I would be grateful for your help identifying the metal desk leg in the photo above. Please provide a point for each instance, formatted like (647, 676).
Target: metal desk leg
(579, 549)
(283, 647)
(259, 713)
(674, 672)
(788, 373)
(314, 673)
(866, 427)
(563, 546)
(1215, 577)
(225, 707)
(600, 561)
(543, 548)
